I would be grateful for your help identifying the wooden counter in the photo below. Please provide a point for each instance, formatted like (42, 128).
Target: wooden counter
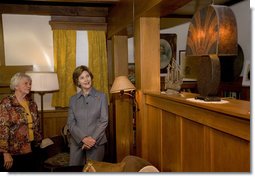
(186, 136)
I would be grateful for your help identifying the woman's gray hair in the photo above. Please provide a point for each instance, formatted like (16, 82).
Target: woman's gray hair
(16, 79)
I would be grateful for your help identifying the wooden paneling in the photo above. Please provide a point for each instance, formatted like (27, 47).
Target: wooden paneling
(4, 91)
(192, 145)
(153, 136)
(229, 153)
(171, 142)
(123, 128)
(2, 57)
(6, 73)
(195, 138)
(53, 122)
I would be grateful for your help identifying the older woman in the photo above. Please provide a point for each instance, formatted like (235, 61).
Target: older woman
(87, 119)
(19, 127)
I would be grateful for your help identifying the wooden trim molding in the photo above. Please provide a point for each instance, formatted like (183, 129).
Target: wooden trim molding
(78, 23)
(78, 26)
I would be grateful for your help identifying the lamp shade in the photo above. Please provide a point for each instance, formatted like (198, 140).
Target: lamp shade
(213, 30)
(44, 81)
(122, 83)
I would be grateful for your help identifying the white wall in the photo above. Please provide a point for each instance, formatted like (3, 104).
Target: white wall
(243, 15)
(131, 57)
(28, 40)
(82, 48)
(253, 74)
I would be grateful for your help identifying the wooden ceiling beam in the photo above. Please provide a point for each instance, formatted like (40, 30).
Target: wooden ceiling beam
(78, 23)
(79, 19)
(77, 1)
(171, 22)
(122, 15)
(157, 8)
(54, 10)
(69, 25)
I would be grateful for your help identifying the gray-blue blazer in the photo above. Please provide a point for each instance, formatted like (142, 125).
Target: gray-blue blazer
(87, 116)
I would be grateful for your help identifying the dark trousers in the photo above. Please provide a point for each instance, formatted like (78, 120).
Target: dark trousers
(30, 162)
(21, 163)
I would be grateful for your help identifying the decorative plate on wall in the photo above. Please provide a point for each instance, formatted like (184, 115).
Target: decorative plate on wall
(167, 50)
(165, 53)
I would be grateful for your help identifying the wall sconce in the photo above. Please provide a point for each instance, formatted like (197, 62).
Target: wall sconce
(43, 82)
(212, 33)
(123, 85)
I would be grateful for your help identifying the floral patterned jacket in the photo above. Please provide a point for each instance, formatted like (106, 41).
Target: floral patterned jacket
(14, 125)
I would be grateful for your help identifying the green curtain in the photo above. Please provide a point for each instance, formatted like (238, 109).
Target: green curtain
(64, 42)
(98, 60)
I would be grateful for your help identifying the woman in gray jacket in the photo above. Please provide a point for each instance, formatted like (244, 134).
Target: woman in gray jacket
(87, 120)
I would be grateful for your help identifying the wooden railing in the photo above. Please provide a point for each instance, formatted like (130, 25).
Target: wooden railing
(185, 136)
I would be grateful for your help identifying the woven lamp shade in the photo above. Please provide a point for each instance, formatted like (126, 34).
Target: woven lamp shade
(213, 30)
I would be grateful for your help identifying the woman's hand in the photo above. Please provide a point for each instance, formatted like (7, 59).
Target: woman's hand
(8, 161)
(89, 142)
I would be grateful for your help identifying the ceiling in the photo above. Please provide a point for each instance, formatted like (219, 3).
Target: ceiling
(64, 2)
(184, 12)
(100, 8)
(189, 9)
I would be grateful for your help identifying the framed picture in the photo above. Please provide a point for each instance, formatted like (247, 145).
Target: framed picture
(247, 74)
(167, 50)
(189, 66)
(131, 72)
